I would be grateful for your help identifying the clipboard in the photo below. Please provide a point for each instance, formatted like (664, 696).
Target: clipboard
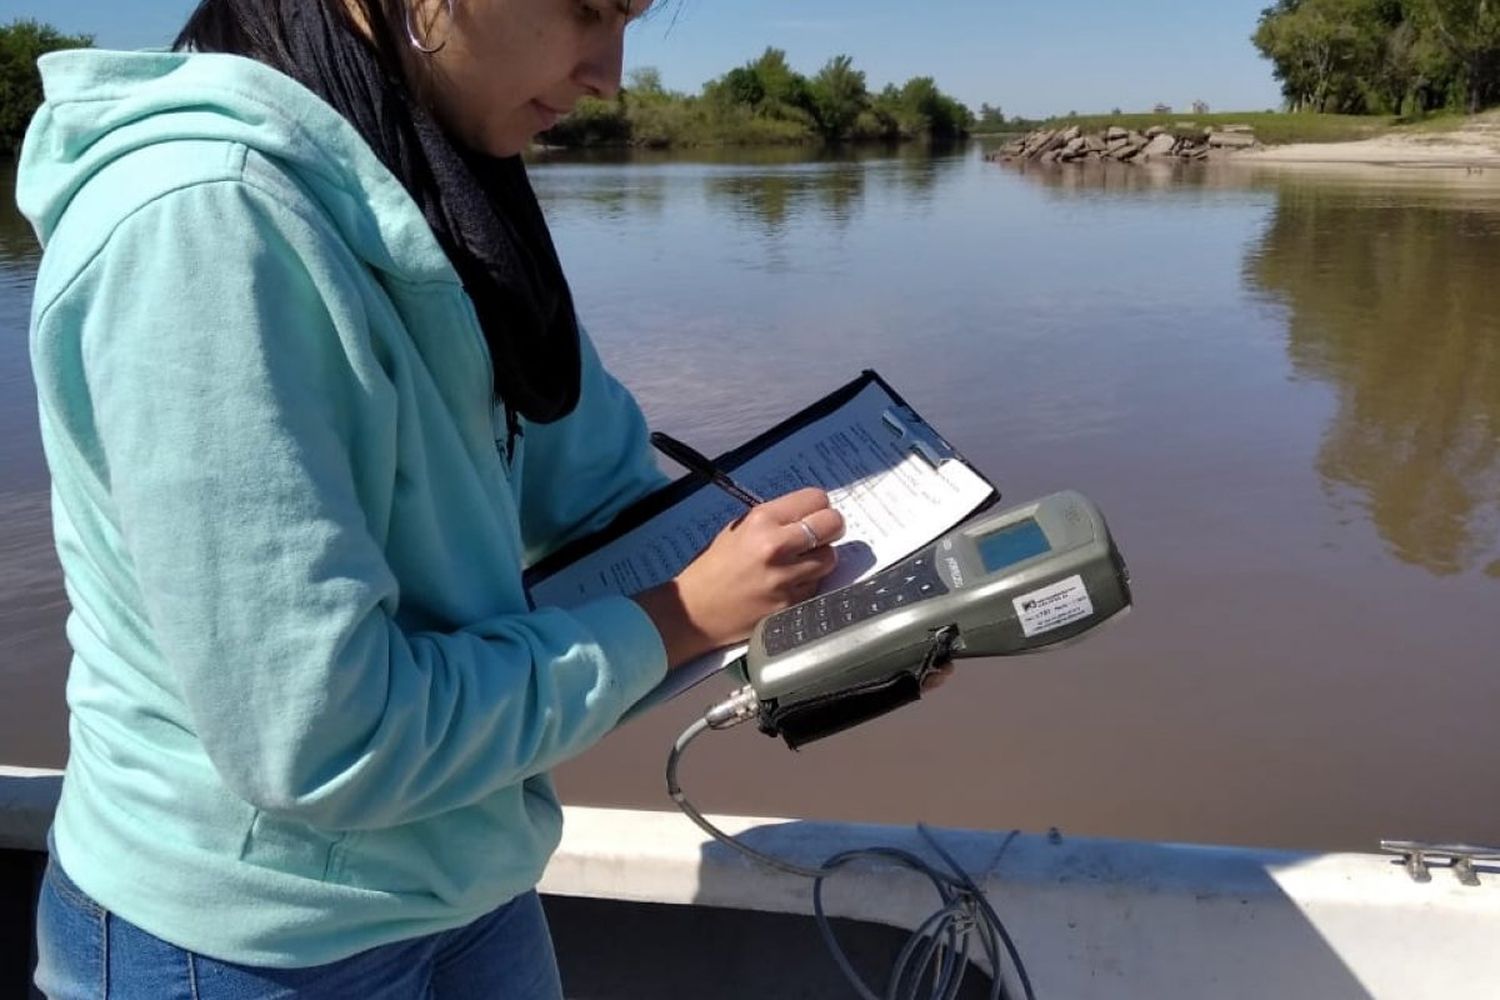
(899, 483)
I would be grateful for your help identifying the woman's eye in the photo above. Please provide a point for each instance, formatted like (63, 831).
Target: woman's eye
(588, 13)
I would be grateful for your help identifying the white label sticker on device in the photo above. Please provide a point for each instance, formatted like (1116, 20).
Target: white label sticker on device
(1053, 607)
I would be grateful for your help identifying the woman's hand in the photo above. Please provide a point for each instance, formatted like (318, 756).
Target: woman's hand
(770, 559)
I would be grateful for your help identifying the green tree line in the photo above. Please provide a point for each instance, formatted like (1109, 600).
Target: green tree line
(765, 100)
(1405, 57)
(22, 43)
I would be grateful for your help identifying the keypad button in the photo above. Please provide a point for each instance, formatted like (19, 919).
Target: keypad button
(898, 587)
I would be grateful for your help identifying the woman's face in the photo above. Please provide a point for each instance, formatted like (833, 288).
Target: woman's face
(509, 69)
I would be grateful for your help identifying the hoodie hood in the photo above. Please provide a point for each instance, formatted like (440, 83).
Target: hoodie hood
(102, 106)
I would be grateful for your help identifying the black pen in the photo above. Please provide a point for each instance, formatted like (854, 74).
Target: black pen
(693, 461)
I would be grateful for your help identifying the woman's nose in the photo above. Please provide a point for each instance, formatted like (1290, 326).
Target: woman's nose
(599, 70)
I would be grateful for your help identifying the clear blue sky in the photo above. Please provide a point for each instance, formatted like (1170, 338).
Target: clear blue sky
(1030, 57)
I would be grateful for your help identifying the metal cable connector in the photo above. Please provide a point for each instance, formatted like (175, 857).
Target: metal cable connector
(742, 706)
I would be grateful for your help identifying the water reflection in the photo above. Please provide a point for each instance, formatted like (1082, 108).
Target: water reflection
(730, 156)
(834, 189)
(1113, 179)
(772, 200)
(772, 189)
(18, 247)
(1384, 283)
(921, 170)
(1391, 304)
(636, 198)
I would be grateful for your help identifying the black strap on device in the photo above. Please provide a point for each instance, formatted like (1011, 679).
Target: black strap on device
(829, 714)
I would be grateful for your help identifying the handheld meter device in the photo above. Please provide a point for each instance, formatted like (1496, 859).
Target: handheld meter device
(1017, 581)
(1011, 582)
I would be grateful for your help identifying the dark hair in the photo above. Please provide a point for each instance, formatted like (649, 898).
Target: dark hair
(258, 29)
(481, 209)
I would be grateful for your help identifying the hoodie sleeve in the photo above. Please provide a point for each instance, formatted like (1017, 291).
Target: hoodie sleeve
(581, 471)
(226, 404)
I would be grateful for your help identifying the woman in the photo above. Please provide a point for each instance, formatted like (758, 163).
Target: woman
(313, 394)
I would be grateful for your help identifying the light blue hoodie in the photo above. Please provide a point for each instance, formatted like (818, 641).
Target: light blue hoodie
(311, 710)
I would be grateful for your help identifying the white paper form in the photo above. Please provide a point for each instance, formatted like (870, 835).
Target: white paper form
(894, 501)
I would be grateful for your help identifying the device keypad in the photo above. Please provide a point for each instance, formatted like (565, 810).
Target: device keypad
(904, 584)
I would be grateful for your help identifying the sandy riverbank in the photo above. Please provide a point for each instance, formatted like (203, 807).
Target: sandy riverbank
(1476, 144)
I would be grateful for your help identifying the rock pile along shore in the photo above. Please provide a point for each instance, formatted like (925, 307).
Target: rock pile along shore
(1184, 141)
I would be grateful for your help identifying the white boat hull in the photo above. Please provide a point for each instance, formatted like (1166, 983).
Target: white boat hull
(1092, 918)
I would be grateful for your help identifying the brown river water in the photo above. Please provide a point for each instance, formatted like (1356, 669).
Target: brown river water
(1281, 386)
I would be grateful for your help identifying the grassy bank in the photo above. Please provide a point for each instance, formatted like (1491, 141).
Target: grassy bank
(1449, 122)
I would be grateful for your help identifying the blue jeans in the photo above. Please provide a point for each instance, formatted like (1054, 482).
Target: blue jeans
(85, 951)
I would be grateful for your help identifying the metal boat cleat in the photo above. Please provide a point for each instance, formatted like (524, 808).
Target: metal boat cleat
(1461, 858)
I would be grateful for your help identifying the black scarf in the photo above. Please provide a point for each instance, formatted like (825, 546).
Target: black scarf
(481, 209)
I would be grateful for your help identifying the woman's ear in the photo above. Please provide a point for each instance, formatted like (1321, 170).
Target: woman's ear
(428, 24)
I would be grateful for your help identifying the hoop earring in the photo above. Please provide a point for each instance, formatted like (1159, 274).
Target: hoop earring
(416, 42)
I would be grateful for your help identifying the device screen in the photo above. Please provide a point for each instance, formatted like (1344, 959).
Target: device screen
(1012, 544)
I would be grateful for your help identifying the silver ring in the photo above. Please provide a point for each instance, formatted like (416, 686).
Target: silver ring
(813, 541)
(416, 43)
